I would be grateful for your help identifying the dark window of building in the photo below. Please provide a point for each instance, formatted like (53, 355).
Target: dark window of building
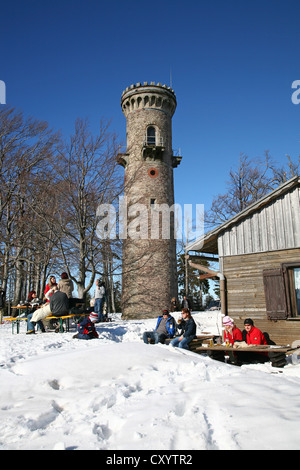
(291, 273)
(282, 291)
(151, 135)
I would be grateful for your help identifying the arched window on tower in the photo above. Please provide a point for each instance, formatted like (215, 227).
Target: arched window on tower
(151, 138)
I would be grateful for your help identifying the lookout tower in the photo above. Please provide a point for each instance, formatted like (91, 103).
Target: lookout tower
(149, 278)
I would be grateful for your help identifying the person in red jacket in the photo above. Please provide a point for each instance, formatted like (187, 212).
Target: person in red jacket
(253, 334)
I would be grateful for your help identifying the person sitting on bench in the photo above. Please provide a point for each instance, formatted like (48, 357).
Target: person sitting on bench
(165, 328)
(252, 336)
(33, 303)
(188, 327)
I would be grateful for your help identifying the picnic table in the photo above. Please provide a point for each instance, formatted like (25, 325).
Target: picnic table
(276, 354)
(249, 348)
(20, 308)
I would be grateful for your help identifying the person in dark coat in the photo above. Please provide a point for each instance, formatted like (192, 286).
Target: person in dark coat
(59, 303)
(186, 303)
(188, 327)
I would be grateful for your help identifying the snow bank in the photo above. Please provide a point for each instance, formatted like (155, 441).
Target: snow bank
(116, 393)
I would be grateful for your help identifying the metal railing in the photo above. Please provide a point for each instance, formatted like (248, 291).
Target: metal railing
(153, 141)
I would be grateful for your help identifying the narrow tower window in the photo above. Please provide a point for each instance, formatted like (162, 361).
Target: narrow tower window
(151, 135)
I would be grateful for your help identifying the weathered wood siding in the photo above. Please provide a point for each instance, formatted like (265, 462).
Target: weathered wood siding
(244, 280)
(275, 226)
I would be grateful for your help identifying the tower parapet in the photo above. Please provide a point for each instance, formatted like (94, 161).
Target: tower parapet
(148, 95)
(156, 138)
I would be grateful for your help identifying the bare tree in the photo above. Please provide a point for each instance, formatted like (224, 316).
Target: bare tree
(88, 176)
(25, 146)
(252, 179)
(285, 172)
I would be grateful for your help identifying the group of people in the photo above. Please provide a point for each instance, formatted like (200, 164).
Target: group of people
(248, 337)
(166, 327)
(57, 303)
(175, 306)
(241, 339)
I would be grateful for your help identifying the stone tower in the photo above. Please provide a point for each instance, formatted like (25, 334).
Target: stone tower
(149, 279)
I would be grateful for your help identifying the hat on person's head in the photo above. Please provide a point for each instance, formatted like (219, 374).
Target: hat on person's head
(248, 321)
(227, 321)
(93, 316)
(165, 312)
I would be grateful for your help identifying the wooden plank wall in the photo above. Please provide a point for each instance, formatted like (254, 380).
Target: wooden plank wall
(244, 280)
(275, 226)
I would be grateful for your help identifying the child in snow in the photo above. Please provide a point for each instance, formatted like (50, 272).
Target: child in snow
(86, 328)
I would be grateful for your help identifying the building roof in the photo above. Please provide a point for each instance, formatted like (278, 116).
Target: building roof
(208, 243)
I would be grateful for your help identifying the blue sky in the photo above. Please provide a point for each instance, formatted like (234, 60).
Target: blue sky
(232, 64)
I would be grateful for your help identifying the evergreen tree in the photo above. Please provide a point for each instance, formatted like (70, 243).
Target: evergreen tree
(189, 283)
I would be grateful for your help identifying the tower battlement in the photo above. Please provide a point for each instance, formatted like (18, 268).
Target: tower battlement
(146, 84)
(148, 95)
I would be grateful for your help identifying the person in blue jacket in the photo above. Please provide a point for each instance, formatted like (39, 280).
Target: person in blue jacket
(86, 328)
(188, 327)
(165, 328)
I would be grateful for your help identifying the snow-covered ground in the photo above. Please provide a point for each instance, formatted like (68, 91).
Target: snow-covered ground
(116, 393)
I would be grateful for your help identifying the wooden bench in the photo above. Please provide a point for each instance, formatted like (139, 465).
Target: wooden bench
(65, 319)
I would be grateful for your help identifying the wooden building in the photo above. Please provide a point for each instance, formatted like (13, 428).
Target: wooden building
(259, 262)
